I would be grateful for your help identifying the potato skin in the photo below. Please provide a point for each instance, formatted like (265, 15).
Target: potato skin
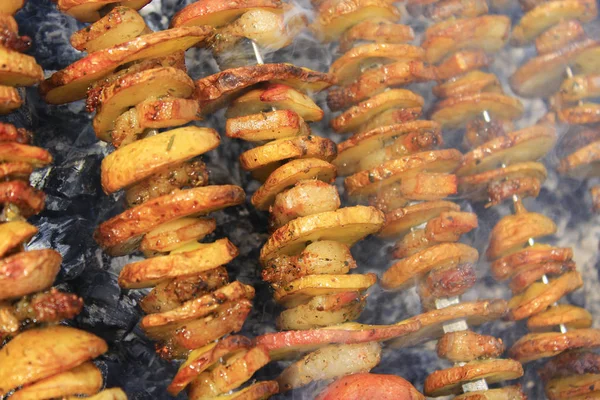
(370, 386)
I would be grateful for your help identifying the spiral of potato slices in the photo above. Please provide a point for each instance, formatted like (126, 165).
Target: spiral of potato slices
(393, 161)
(565, 71)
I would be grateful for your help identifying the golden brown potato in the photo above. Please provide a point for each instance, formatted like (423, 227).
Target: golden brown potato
(571, 316)
(14, 234)
(504, 393)
(470, 83)
(10, 99)
(391, 116)
(521, 187)
(28, 272)
(580, 87)
(217, 13)
(32, 355)
(121, 24)
(122, 233)
(17, 152)
(570, 363)
(11, 6)
(461, 62)
(375, 386)
(401, 220)
(378, 30)
(278, 124)
(586, 113)
(505, 267)
(528, 274)
(464, 346)
(582, 162)
(445, 282)
(17, 69)
(15, 171)
(106, 394)
(478, 131)
(90, 11)
(535, 346)
(169, 236)
(19, 196)
(428, 186)
(559, 36)
(585, 386)
(446, 9)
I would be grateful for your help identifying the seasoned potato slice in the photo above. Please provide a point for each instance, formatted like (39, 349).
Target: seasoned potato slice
(559, 36)
(504, 393)
(527, 275)
(505, 267)
(218, 13)
(119, 25)
(580, 87)
(14, 234)
(426, 186)
(372, 386)
(169, 236)
(151, 271)
(464, 346)
(257, 391)
(585, 386)
(334, 18)
(17, 152)
(351, 119)
(461, 62)
(85, 379)
(539, 296)
(278, 124)
(527, 144)
(352, 64)
(215, 91)
(447, 381)
(71, 83)
(413, 136)
(90, 11)
(512, 232)
(455, 112)
(571, 316)
(22, 198)
(10, 99)
(28, 272)
(330, 362)
(446, 9)
(32, 355)
(478, 131)
(17, 69)
(391, 116)
(11, 6)
(586, 113)
(535, 346)
(470, 83)
(401, 220)
(583, 162)
(595, 192)
(346, 225)
(369, 182)
(122, 233)
(445, 282)
(432, 322)
(9, 133)
(489, 33)
(519, 186)
(576, 362)
(106, 394)
(278, 96)
(407, 270)
(545, 15)
(378, 30)
(15, 170)
(303, 289)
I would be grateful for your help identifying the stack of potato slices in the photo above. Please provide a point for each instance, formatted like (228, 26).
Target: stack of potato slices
(392, 162)
(566, 72)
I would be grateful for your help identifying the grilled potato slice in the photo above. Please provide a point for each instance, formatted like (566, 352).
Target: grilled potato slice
(369, 182)
(465, 346)
(352, 64)
(278, 96)
(330, 362)
(334, 18)
(215, 91)
(489, 33)
(346, 225)
(595, 192)
(32, 355)
(121, 24)
(10, 99)
(391, 116)
(106, 394)
(535, 346)
(505, 267)
(367, 385)
(169, 236)
(559, 36)
(426, 186)
(17, 69)
(581, 163)
(446, 9)
(447, 381)
(400, 221)
(433, 321)
(90, 11)
(28, 272)
(218, 13)
(11, 6)
(71, 83)
(586, 113)
(279, 124)
(574, 387)
(580, 87)
(14, 234)
(378, 30)
(154, 153)
(512, 232)
(22, 197)
(354, 117)
(257, 391)
(520, 186)
(122, 234)
(571, 316)
(445, 282)
(504, 393)
(410, 137)
(470, 83)
(406, 271)
(461, 62)
(455, 112)
(85, 379)
(576, 362)
(17, 152)
(527, 275)
(478, 131)
(545, 15)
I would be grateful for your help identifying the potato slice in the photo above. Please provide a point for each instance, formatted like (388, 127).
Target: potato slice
(85, 379)
(9, 133)
(301, 290)
(535, 346)
(462, 62)
(352, 64)
(106, 394)
(512, 232)
(17, 69)
(574, 387)
(169, 236)
(577, 138)
(428, 187)
(121, 24)
(122, 233)
(10, 99)
(576, 362)
(432, 322)
(15, 171)
(446, 9)
(470, 83)
(28, 272)
(378, 30)
(203, 257)
(406, 271)
(330, 362)
(377, 80)
(489, 33)
(334, 18)
(448, 381)
(281, 150)
(257, 391)
(464, 346)
(218, 13)
(351, 119)
(505, 267)
(229, 375)
(582, 162)
(32, 355)
(14, 234)
(504, 393)
(478, 131)
(346, 225)
(539, 296)
(11, 6)
(586, 113)
(545, 15)
(21, 197)
(526, 276)
(153, 154)
(278, 124)
(391, 116)
(71, 83)
(400, 221)
(527, 144)
(571, 316)
(521, 187)
(369, 182)
(278, 96)
(90, 11)
(455, 112)
(445, 282)
(373, 386)
(595, 192)
(559, 36)
(17, 152)
(215, 91)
